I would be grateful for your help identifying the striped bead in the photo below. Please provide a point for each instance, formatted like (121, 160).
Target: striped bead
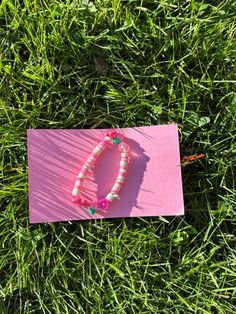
(91, 158)
(98, 150)
(110, 197)
(121, 178)
(95, 155)
(81, 175)
(84, 170)
(115, 190)
(79, 180)
(101, 145)
(122, 175)
(75, 191)
(117, 185)
(126, 159)
(78, 183)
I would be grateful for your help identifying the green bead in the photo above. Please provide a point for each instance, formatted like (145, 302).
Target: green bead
(116, 140)
(92, 210)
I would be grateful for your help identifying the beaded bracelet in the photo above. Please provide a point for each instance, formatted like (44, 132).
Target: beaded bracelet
(113, 138)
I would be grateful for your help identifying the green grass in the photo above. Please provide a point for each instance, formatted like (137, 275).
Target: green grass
(81, 64)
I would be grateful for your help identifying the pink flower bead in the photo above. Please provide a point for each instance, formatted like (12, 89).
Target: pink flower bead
(103, 203)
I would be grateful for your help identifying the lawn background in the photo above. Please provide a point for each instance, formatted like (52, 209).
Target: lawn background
(108, 64)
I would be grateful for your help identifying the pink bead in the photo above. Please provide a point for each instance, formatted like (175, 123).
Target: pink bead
(79, 180)
(103, 144)
(95, 154)
(123, 147)
(114, 190)
(123, 175)
(125, 159)
(77, 184)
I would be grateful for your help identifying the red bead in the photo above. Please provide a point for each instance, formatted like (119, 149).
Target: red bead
(76, 199)
(85, 202)
(111, 134)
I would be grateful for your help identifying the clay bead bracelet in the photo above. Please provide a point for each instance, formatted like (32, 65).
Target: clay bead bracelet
(113, 138)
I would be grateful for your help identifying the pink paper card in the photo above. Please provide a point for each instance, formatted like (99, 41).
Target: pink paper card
(153, 185)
